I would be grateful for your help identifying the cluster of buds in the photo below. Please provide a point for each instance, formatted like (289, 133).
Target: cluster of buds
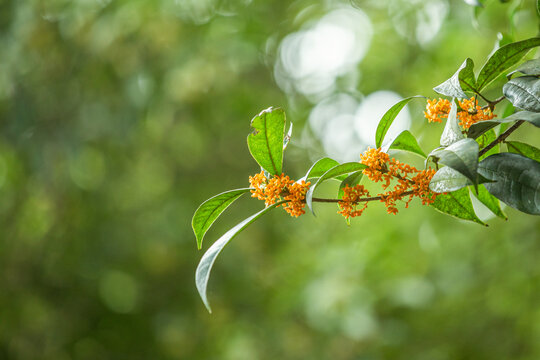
(469, 111)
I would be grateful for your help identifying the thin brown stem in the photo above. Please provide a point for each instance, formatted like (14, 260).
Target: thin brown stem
(372, 198)
(501, 137)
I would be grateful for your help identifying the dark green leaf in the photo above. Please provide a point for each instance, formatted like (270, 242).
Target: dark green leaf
(210, 210)
(481, 127)
(448, 180)
(457, 204)
(405, 141)
(461, 156)
(490, 202)
(517, 180)
(524, 149)
(524, 92)
(266, 141)
(462, 80)
(531, 67)
(502, 59)
(334, 172)
(388, 119)
(452, 131)
(202, 273)
(320, 167)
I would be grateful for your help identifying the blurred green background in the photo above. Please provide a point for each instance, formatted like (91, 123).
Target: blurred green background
(119, 117)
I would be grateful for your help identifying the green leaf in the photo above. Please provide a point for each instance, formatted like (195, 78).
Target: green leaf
(210, 210)
(287, 137)
(202, 274)
(462, 80)
(484, 140)
(320, 167)
(461, 156)
(334, 172)
(481, 127)
(490, 202)
(524, 92)
(457, 204)
(531, 67)
(351, 181)
(524, 149)
(517, 180)
(405, 141)
(388, 119)
(448, 180)
(502, 59)
(452, 131)
(266, 141)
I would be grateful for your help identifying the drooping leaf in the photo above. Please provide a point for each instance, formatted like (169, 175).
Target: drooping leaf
(210, 210)
(524, 92)
(202, 273)
(404, 141)
(481, 127)
(448, 180)
(462, 80)
(320, 167)
(461, 156)
(490, 202)
(334, 172)
(457, 204)
(531, 67)
(388, 119)
(502, 59)
(527, 150)
(516, 180)
(452, 131)
(266, 141)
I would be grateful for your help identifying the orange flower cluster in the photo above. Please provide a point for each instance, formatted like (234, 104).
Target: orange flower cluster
(350, 201)
(382, 168)
(280, 187)
(470, 112)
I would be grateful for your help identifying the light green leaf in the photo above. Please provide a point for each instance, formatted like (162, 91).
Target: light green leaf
(531, 67)
(490, 202)
(481, 127)
(210, 210)
(524, 92)
(462, 80)
(448, 180)
(484, 140)
(457, 204)
(266, 141)
(202, 273)
(527, 150)
(452, 131)
(388, 119)
(517, 180)
(320, 167)
(502, 59)
(334, 172)
(461, 156)
(405, 141)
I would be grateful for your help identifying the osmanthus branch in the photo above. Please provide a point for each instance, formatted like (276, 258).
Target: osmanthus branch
(501, 137)
(372, 198)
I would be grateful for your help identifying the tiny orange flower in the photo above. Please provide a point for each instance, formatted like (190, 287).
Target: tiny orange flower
(436, 110)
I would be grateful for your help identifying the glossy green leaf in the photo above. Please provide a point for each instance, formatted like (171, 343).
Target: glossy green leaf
(516, 180)
(320, 167)
(457, 204)
(448, 180)
(461, 156)
(266, 141)
(202, 273)
(405, 141)
(462, 80)
(524, 92)
(388, 118)
(490, 201)
(502, 59)
(210, 210)
(452, 132)
(527, 150)
(531, 67)
(334, 172)
(481, 127)
(351, 180)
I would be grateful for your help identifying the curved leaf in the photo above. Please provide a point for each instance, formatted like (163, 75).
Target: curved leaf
(490, 202)
(452, 131)
(209, 211)
(202, 273)
(266, 141)
(351, 181)
(481, 127)
(461, 156)
(462, 80)
(334, 172)
(502, 59)
(524, 92)
(527, 150)
(517, 180)
(388, 119)
(405, 141)
(320, 167)
(448, 180)
(287, 137)
(457, 204)
(531, 67)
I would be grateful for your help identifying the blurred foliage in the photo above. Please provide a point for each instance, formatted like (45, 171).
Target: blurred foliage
(119, 117)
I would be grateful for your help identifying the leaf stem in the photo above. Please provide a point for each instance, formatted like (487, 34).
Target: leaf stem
(372, 198)
(501, 137)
